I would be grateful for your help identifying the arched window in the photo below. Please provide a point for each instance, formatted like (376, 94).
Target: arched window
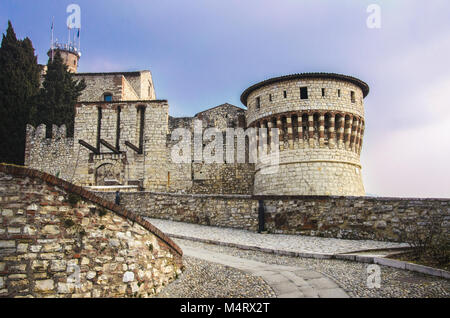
(107, 97)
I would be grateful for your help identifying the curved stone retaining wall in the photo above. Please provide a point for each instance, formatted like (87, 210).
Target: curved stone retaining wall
(59, 240)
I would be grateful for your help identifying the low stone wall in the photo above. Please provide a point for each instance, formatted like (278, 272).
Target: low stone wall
(351, 217)
(236, 211)
(327, 216)
(59, 240)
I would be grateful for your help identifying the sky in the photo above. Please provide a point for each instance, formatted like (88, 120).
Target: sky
(203, 53)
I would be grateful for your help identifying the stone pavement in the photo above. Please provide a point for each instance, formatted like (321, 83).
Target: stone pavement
(286, 281)
(278, 242)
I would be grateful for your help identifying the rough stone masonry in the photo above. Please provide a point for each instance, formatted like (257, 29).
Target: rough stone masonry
(59, 240)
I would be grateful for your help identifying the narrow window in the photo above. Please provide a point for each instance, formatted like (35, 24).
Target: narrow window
(107, 97)
(352, 96)
(270, 97)
(258, 102)
(118, 128)
(285, 94)
(339, 93)
(303, 92)
(99, 126)
(141, 110)
(323, 92)
(305, 126)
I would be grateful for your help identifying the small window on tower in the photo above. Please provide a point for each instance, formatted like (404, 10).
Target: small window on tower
(285, 94)
(270, 97)
(107, 97)
(258, 102)
(303, 92)
(339, 93)
(323, 92)
(352, 96)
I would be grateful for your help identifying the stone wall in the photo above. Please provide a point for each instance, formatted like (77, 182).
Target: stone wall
(236, 211)
(59, 240)
(351, 217)
(330, 102)
(52, 155)
(327, 216)
(124, 86)
(201, 177)
(127, 167)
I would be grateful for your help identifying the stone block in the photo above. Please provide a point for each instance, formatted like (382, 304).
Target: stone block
(44, 286)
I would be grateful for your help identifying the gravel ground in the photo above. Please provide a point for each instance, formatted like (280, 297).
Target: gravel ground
(203, 279)
(209, 280)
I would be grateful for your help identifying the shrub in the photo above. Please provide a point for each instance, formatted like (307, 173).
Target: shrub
(429, 240)
(73, 199)
(102, 212)
(68, 223)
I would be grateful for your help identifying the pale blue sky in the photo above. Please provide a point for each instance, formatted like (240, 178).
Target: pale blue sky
(206, 52)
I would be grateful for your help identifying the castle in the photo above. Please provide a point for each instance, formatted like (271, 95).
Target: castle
(122, 137)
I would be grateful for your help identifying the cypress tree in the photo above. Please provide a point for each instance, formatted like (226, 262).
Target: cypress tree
(19, 85)
(58, 96)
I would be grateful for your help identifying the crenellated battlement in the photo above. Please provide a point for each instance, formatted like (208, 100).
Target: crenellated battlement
(39, 133)
(52, 155)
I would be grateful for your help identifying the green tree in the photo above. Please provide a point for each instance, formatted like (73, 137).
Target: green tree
(55, 104)
(19, 84)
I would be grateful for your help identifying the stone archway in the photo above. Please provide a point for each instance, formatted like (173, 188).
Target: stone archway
(107, 174)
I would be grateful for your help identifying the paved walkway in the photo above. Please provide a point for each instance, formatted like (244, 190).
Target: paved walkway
(279, 242)
(286, 281)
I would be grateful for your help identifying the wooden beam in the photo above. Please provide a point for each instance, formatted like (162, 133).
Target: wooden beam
(88, 146)
(133, 147)
(109, 146)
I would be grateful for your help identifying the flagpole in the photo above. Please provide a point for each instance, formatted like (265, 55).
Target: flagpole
(79, 39)
(53, 26)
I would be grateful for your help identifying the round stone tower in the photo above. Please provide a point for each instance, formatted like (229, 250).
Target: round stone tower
(320, 120)
(69, 55)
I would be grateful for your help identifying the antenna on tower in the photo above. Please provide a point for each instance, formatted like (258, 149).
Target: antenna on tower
(53, 27)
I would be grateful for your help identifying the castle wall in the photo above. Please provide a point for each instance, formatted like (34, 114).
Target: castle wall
(58, 240)
(98, 85)
(148, 168)
(128, 92)
(315, 101)
(320, 137)
(201, 177)
(311, 172)
(126, 86)
(156, 130)
(326, 216)
(142, 84)
(52, 155)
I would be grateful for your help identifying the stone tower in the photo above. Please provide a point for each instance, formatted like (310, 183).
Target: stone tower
(69, 55)
(320, 117)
